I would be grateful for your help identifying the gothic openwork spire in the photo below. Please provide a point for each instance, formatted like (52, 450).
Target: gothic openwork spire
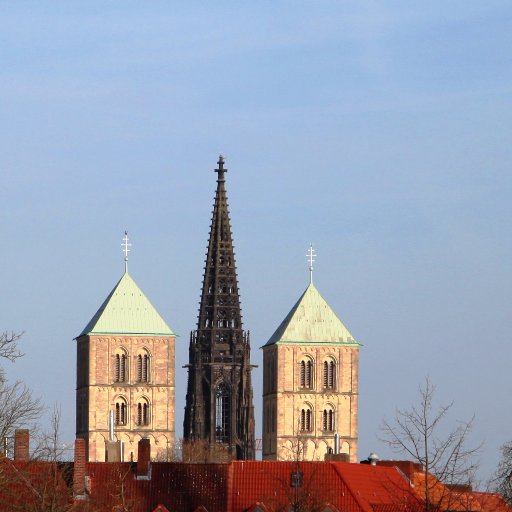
(219, 395)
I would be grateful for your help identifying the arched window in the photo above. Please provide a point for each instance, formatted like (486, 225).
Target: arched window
(329, 374)
(143, 418)
(121, 412)
(306, 373)
(328, 419)
(121, 366)
(143, 366)
(306, 419)
(222, 414)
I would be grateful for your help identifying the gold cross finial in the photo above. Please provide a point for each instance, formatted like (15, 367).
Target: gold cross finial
(311, 258)
(126, 249)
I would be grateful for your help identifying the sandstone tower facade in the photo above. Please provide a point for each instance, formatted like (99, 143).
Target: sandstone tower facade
(310, 384)
(219, 404)
(125, 370)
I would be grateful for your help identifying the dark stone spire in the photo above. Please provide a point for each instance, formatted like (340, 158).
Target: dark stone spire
(219, 406)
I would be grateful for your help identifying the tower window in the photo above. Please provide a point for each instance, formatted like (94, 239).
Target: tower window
(329, 374)
(306, 419)
(143, 413)
(121, 367)
(306, 373)
(121, 411)
(222, 414)
(328, 419)
(143, 361)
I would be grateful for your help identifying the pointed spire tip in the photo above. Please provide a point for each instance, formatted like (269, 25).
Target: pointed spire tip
(220, 170)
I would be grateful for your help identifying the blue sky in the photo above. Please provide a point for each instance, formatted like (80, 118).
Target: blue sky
(379, 131)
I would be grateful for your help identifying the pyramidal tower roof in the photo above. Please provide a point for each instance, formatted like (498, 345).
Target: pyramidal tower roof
(127, 310)
(312, 320)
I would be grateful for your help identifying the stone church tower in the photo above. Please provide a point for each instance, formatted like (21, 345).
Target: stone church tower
(310, 383)
(125, 370)
(219, 406)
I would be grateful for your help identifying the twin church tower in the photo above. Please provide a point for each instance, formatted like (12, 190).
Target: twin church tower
(126, 370)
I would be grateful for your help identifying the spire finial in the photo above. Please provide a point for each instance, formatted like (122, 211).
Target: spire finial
(311, 258)
(220, 170)
(126, 249)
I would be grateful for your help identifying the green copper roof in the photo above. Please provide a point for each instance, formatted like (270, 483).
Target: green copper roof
(311, 320)
(127, 311)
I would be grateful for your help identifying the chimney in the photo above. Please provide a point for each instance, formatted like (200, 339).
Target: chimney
(79, 468)
(143, 457)
(407, 467)
(337, 457)
(113, 451)
(21, 444)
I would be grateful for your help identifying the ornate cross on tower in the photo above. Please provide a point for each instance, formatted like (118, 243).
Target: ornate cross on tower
(126, 249)
(311, 254)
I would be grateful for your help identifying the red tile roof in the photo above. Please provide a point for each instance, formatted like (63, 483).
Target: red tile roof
(270, 483)
(28, 485)
(177, 486)
(492, 502)
(379, 488)
(242, 486)
(238, 486)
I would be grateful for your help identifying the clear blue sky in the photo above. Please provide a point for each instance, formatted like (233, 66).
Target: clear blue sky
(379, 131)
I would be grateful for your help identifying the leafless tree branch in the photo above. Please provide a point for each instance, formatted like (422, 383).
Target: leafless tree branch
(17, 407)
(9, 345)
(502, 479)
(415, 432)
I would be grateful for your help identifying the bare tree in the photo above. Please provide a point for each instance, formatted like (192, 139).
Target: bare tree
(202, 451)
(167, 455)
(502, 479)
(50, 447)
(18, 407)
(9, 345)
(445, 458)
(9, 349)
(43, 483)
(122, 502)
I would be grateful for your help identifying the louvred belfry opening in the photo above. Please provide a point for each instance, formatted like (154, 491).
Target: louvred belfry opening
(219, 407)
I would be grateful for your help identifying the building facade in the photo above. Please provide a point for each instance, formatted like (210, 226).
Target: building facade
(219, 404)
(310, 384)
(125, 376)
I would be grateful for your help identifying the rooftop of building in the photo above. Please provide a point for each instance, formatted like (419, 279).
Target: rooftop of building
(127, 311)
(241, 486)
(312, 320)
